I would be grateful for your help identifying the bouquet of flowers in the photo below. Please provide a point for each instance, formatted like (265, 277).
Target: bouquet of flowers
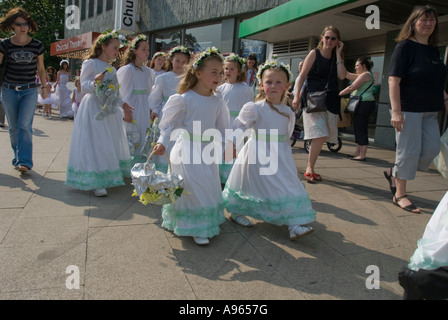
(152, 135)
(108, 93)
(155, 187)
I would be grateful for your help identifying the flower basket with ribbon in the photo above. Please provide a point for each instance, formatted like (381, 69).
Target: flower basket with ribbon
(155, 187)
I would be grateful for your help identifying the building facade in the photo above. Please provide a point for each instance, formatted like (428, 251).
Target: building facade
(289, 29)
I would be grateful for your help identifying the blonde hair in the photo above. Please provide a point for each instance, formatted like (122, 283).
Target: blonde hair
(189, 79)
(241, 70)
(97, 48)
(408, 30)
(262, 95)
(328, 28)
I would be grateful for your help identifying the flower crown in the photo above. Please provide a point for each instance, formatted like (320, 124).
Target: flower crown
(204, 55)
(113, 34)
(178, 49)
(137, 39)
(158, 54)
(236, 58)
(274, 63)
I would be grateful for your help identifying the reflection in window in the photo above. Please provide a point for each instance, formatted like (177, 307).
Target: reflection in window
(199, 39)
(167, 41)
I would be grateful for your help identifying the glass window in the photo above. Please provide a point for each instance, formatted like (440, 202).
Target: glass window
(83, 9)
(91, 8)
(199, 39)
(254, 46)
(99, 7)
(109, 5)
(168, 40)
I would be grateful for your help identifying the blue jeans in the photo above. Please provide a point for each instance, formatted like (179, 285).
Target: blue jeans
(19, 107)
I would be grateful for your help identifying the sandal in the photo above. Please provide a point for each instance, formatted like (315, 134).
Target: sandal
(410, 208)
(23, 169)
(389, 177)
(317, 177)
(309, 177)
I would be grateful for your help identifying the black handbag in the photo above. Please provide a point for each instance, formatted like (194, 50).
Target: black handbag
(3, 64)
(317, 100)
(354, 101)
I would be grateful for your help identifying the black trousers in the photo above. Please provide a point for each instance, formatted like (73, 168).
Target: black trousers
(361, 122)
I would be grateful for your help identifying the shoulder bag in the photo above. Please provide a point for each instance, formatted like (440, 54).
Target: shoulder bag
(3, 64)
(317, 100)
(354, 101)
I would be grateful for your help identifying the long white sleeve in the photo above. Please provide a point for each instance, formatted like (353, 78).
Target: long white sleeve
(173, 116)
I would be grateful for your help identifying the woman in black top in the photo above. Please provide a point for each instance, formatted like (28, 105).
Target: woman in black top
(19, 90)
(320, 67)
(416, 87)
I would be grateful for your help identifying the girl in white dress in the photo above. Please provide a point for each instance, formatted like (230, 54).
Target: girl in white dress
(136, 82)
(157, 63)
(236, 93)
(63, 93)
(199, 212)
(165, 86)
(77, 96)
(99, 155)
(268, 190)
(51, 98)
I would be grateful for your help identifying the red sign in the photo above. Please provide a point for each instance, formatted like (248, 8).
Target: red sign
(81, 42)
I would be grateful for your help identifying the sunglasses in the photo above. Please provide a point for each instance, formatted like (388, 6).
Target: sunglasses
(20, 24)
(332, 38)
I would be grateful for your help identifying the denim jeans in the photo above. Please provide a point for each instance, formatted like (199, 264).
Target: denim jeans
(19, 107)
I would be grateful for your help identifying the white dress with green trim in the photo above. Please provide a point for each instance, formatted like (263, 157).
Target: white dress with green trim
(236, 95)
(165, 86)
(432, 250)
(272, 191)
(199, 211)
(135, 87)
(99, 154)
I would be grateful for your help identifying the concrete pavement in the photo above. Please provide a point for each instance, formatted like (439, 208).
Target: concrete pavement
(50, 235)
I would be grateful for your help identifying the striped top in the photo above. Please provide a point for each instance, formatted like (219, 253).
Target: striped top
(22, 61)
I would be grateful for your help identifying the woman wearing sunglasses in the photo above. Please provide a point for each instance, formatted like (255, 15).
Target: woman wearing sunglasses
(23, 56)
(320, 67)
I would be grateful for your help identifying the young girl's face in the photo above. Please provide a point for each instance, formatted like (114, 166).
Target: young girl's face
(210, 76)
(142, 52)
(179, 61)
(159, 62)
(274, 83)
(231, 71)
(110, 51)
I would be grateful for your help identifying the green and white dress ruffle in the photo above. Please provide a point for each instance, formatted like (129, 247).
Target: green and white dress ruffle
(272, 191)
(99, 154)
(199, 211)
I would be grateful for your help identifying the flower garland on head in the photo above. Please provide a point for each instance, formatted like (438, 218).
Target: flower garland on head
(236, 58)
(178, 49)
(274, 63)
(113, 34)
(204, 55)
(136, 40)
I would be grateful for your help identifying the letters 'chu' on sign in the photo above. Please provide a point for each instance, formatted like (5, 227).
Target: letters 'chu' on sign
(126, 16)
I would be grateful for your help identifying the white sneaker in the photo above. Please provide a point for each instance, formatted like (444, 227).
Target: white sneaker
(298, 231)
(100, 192)
(241, 220)
(201, 241)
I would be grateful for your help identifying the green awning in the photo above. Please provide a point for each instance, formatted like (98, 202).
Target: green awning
(285, 13)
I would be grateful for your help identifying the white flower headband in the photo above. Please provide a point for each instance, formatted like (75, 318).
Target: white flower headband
(205, 54)
(178, 49)
(137, 39)
(274, 63)
(236, 58)
(109, 34)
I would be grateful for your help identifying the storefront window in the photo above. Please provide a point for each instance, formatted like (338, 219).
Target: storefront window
(199, 39)
(254, 46)
(167, 41)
